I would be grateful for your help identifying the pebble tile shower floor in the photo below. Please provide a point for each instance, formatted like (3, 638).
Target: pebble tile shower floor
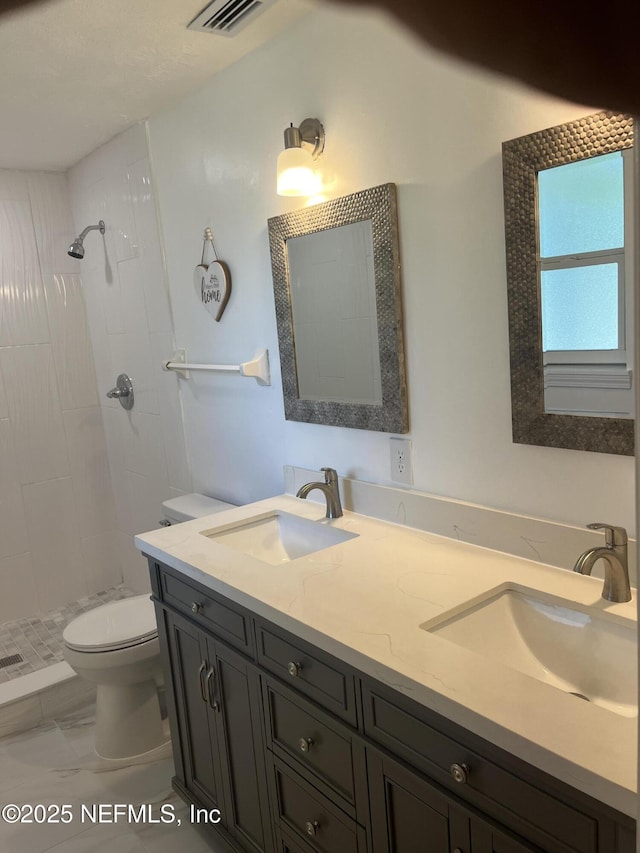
(38, 639)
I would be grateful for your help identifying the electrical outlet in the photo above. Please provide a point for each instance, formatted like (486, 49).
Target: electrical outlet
(400, 457)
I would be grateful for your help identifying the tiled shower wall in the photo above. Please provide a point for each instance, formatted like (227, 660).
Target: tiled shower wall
(131, 332)
(57, 514)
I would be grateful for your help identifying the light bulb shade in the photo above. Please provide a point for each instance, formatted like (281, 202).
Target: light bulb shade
(296, 175)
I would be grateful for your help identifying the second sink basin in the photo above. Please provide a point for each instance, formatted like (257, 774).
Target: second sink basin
(279, 537)
(586, 652)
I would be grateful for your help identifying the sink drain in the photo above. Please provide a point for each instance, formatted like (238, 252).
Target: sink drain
(580, 696)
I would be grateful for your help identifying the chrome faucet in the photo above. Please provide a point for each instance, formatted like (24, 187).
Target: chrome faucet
(330, 490)
(616, 571)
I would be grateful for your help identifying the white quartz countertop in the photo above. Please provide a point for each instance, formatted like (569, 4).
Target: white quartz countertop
(364, 600)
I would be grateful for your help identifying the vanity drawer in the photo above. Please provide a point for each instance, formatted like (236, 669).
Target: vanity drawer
(286, 844)
(210, 610)
(409, 732)
(309, 816)
(305, 668)
(317, 743)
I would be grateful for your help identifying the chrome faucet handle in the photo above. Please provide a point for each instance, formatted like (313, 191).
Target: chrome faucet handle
(614, 537)
(330, 475)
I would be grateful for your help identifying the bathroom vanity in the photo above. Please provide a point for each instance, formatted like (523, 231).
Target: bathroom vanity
(315, 707)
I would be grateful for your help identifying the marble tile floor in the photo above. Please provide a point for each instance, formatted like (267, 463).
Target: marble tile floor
(54, 765)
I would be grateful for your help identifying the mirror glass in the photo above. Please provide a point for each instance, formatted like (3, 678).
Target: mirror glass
(333, 311)
(568, 194)
(586, 293)
(336, 285)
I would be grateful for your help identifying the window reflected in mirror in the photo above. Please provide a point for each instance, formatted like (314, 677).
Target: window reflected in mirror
(568, 205)
(582, 211)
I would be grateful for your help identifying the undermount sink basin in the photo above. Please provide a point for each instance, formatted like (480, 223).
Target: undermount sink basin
(586, 652)
(279, 537)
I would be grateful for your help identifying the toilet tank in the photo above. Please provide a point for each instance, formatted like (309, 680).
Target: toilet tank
(187, 507)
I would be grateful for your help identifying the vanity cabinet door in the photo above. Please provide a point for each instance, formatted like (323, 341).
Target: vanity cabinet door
(408, 815)
(217, 709)
(194, 733)
(234, 695)
(513, 795)
(485, 838)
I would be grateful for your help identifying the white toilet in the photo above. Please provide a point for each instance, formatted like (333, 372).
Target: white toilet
(116, 647)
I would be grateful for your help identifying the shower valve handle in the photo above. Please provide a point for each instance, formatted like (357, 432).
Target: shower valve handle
(118, 392)
(122, 392)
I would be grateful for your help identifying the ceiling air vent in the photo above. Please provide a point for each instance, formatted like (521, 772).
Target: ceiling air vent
(228, 17)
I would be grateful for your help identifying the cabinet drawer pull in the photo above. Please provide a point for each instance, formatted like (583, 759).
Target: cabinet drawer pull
(294, 669)
(305, 744)
(196, 607)
(460, 773)
(311, 827)
(203, 666)
(212, 701)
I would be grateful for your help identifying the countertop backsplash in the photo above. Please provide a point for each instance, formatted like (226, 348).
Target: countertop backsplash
(542, 540)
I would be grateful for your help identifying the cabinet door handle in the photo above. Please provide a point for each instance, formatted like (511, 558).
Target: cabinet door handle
(305, 744)
(209, 679)
(311, 827)
(196, 607)
(294, 668)
(460, 773)
(203, 666)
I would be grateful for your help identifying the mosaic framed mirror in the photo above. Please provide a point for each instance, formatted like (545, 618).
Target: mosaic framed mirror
(337, 291)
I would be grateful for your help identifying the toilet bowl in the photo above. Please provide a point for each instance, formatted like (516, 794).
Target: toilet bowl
(115, 646)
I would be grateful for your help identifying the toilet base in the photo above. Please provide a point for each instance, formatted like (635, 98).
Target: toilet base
(160, 753)
(128, 720)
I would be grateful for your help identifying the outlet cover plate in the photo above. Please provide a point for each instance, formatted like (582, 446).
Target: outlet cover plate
(400, 460)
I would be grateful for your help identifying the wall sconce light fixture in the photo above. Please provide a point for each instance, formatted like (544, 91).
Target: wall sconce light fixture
(302, 145)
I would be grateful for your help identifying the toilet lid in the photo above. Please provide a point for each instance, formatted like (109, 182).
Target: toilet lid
(113, 626)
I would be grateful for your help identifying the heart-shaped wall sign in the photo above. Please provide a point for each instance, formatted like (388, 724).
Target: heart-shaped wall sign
(213, 286)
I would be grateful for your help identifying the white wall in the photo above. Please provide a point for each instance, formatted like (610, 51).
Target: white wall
(392, 112)
(57, 516)
(131, 331)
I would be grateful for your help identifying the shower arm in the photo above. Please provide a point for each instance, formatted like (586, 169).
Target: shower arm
(99, 227)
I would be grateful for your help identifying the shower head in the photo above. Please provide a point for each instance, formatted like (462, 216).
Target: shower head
(76, 249)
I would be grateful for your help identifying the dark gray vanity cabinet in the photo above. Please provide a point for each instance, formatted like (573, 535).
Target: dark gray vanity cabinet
(406, 811)
(199, 767)
(408, 814)
(237, 705)
(487, 839)
(216, 715)
(303, 754)
(316, 766)
(533, 808)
